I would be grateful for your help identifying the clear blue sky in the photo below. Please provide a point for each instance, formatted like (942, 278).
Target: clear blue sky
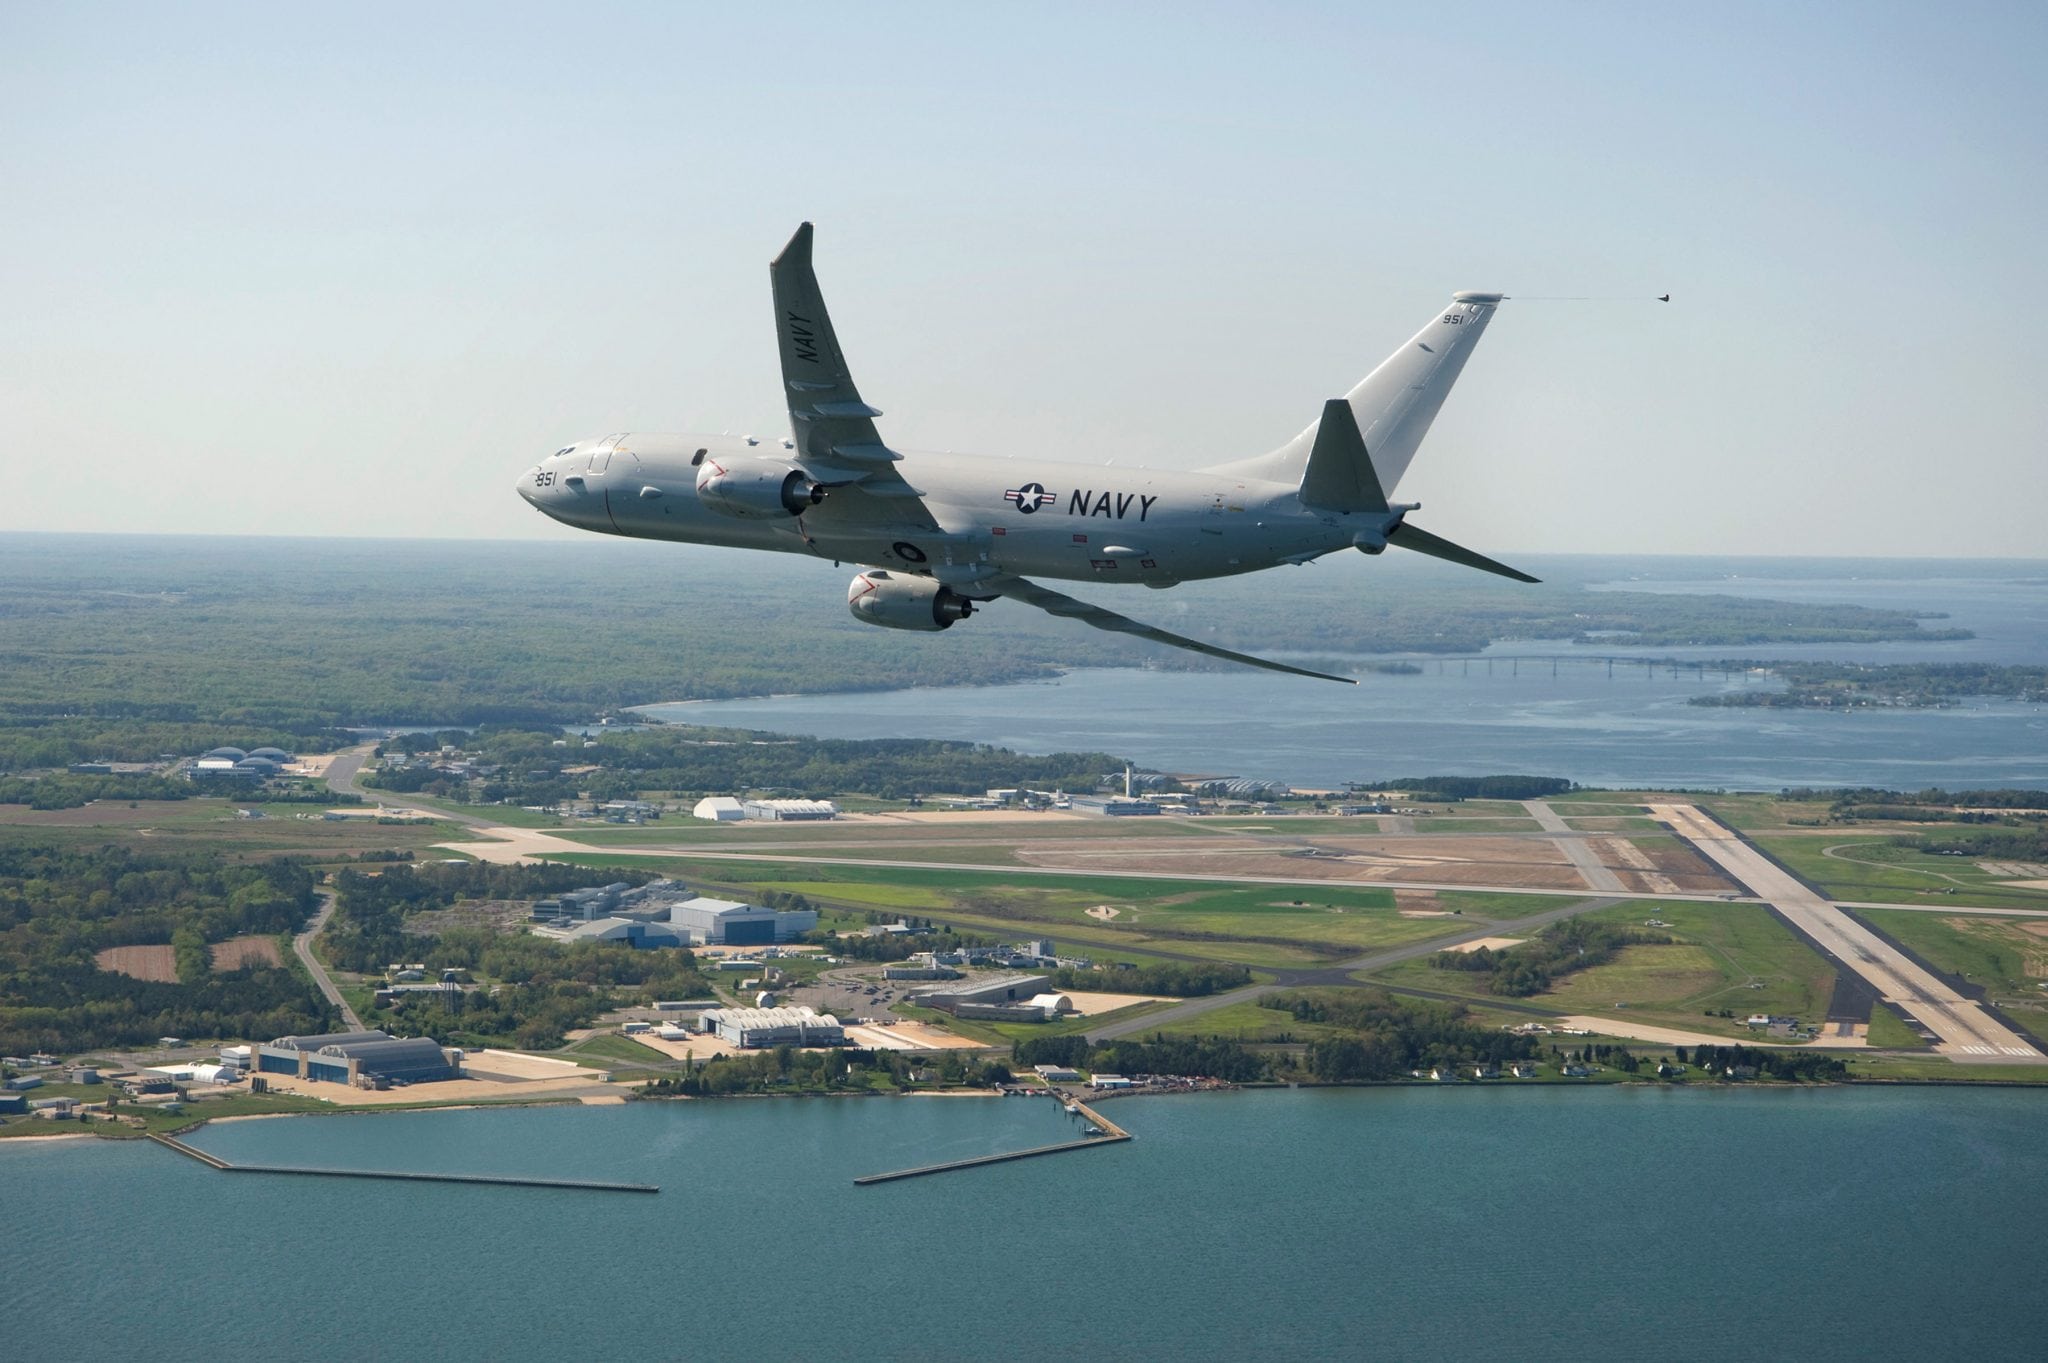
(349, 269)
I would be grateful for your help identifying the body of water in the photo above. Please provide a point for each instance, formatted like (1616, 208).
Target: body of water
(1311, 1224)
(1511, 711)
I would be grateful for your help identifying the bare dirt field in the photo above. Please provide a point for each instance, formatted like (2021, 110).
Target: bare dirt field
(142, 812)
(1089, 1004)
(237, 952)
(1490, 943)
(696, 1046)
(519, 1065)
(1446, 858)
(908, 1036)
(1672, 1036)
(1690, 871)
(158, 963)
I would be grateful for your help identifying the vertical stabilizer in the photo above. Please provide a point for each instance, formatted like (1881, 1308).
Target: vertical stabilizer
(1394, 405)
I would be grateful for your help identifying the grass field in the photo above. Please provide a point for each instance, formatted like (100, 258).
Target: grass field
(180, 825)
(1251, 1022)
(1733, 956)
(612, 1047)
(2008, 958)
(1639, 977)
(1888, 1033)
(1874, 868)
(1255, 924)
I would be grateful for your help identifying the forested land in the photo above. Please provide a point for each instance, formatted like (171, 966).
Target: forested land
(1394, 1036)
(61, 906)
(689, 760)
(536, 989)
(253, 641)
(1454, 788)
(1910, 686)
(1176, 979)
(785, 1069)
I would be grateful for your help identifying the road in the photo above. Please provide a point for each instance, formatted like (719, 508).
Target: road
(342, 777)
(1341, 973)
(1572, 843)
(303, 945)
(1967, 1032)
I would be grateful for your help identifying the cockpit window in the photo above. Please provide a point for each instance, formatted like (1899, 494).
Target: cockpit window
(698, 458)
(566, 449)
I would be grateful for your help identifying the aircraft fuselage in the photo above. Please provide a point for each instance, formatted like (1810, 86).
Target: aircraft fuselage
(1031, 517)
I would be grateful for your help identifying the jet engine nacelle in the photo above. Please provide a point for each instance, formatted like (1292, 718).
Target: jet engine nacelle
(897, 601)
(756, 489)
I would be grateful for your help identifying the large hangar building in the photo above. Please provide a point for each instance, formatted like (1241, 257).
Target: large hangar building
(748, 1028)
(358, 1058)
(665, 914)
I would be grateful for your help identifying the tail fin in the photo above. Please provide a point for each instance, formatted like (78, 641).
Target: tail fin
(1392, 407)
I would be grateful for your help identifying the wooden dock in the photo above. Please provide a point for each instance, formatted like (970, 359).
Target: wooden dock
(501, 1180)
(1112, 1134)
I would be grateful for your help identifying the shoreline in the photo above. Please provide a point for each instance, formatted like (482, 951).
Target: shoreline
(1548, 1085)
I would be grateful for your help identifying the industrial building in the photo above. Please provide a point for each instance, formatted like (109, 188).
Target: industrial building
(755, 1027)
(1006, 998)
(365, 1059)
(256, 764)
(1112, 806)
(726, 809)
(665, 914)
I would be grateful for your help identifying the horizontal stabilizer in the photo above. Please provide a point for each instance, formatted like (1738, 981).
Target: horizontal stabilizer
(1422, 542)
(1057, 603)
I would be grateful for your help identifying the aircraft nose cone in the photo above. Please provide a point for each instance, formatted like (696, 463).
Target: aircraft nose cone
(524, 487)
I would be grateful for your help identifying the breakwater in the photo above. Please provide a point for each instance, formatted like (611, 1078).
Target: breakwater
(502, 1180)
(1112, 1134)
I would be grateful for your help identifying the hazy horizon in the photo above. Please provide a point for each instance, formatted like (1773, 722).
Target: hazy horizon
(347, 273)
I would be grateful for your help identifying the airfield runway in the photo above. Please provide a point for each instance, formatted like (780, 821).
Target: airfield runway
(1966, 1031)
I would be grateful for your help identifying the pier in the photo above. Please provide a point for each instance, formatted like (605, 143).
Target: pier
(501, 1180)
(1112, 1134)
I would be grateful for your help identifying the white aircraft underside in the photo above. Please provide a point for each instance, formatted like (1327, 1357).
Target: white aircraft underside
(940, 532)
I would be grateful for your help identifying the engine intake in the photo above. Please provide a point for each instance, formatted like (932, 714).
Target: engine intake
(898, 601)
(756, 489)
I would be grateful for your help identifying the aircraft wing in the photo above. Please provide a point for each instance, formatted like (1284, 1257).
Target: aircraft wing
(833, 428)
(1057, 603)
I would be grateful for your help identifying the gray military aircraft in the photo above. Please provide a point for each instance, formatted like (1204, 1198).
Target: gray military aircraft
(939, 534)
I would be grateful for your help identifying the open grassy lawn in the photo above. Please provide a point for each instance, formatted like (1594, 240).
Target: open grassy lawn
(1251, 1022)
(1940, 1067)
(1254, 924)
(1605, 824)
(1494, 904)
(1759, 813)
(612, 1048)
(1733, 956)
(1889, 1033)
(873, 835)
(1873, 868)
(1641, 976)
(2007, 957)
(179, 825)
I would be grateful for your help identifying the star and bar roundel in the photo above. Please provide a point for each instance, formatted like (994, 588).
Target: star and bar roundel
(1029, 497)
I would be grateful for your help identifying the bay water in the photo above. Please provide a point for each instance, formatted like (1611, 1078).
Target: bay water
(1481, 1222)
(1542, 707)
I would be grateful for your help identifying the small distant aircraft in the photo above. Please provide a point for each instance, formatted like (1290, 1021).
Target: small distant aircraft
(940, 534)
